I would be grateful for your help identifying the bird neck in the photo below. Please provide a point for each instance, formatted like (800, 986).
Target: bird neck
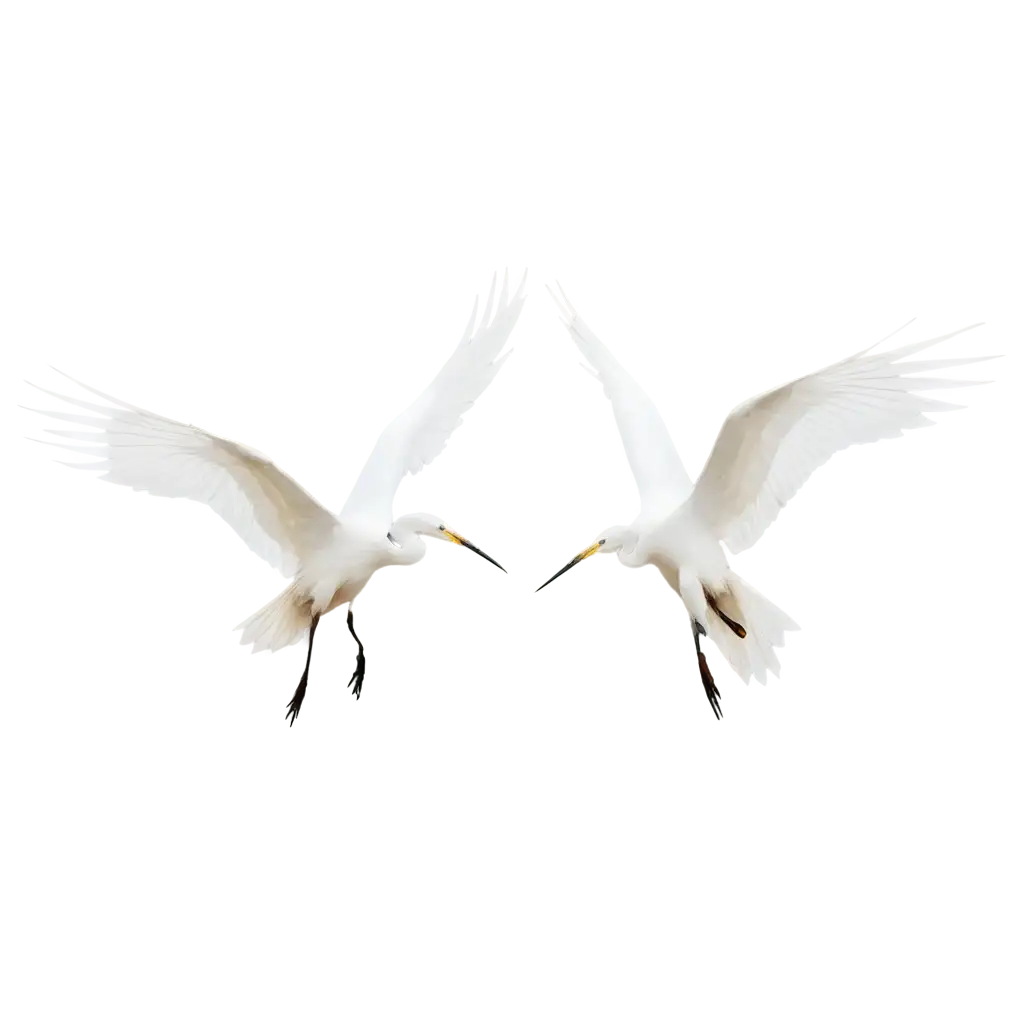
(408, 546)
(624, 541)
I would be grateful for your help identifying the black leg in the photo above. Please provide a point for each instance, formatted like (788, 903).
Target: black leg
(312, 649)
(714, 697)
(358, 670)
(304, 689)
(352, 626)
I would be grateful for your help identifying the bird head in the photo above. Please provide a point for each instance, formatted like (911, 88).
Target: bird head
(622, 541)
(425, 524)
(616, 539)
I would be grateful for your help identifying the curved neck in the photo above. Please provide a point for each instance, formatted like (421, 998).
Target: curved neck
(409, 545)
(625, 542)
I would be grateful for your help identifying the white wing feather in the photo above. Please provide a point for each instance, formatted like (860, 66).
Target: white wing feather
(276, 517)
(657, 468)
(418, 435)
(770, 445)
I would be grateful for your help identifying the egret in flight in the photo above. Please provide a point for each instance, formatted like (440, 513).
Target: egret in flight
(329, 557)
(766, 450)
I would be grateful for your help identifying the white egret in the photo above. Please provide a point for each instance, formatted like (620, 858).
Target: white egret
(765, 451)
(329, 557)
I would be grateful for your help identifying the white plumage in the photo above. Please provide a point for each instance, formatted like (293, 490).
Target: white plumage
(766, 450)
(330, 557)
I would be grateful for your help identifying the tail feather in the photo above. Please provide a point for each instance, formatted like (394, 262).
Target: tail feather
(765, 625)
(279, 623)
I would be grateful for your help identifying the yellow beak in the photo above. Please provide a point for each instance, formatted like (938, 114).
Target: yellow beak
(458, 539)
(593, 549)
(586, 553)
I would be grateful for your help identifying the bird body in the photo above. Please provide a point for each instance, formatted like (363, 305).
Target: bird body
(683, 541)
(694, 564)
(329, 557)
(765, 451)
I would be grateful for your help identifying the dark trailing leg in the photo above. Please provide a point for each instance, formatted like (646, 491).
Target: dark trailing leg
(731, 623)
(714, 697)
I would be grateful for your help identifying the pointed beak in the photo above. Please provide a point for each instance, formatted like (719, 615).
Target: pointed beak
(593, 549)
(456, 539)
(587, 553)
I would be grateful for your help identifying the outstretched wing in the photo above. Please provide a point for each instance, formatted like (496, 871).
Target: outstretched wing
(276, 517)
(417, 436)
(769, 446)
(657, 468)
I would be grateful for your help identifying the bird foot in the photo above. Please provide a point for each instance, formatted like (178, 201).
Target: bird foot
(713, 696)
(357, 678)
(357, 685)
(296, 702)
(712, 691)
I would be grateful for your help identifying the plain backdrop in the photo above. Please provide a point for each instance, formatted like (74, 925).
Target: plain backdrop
(271, 220)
